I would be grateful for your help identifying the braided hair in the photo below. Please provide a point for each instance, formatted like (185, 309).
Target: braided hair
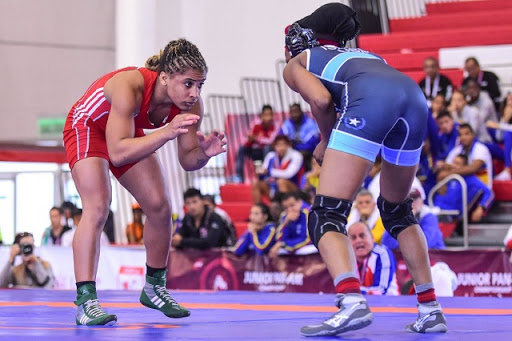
(178, 56)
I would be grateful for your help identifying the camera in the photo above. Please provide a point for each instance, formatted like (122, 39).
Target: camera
(26, 249)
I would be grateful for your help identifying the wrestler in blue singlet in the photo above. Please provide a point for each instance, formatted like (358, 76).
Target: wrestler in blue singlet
(364, 89)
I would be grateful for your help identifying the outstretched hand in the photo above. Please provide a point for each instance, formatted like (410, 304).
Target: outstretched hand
(213, 144)
(179, 124)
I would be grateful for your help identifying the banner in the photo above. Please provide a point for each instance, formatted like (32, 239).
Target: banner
(478, 272)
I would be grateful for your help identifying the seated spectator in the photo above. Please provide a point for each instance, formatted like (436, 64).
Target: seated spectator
(52, 234)
(260, 234)
(445, 137)
(280, 172)
(135, 229)
(365, 210)
(434, 82)
(376, 264)
(259, 141)
(309, 181)
(302, 131)
(67, 216)
(201, 228)
(488, 81)
(67, 237)
(292, 232)
(426, 169)
(32, 272)
(479, 196)
(462, 112)
(209, 201)
(374, 186)
(426, 219)
(479, 157)
(276, 208)
(504, 133)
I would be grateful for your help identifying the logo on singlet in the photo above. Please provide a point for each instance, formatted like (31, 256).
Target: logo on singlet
(356, 123)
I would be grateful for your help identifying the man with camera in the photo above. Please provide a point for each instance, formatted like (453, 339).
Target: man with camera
(32, 272)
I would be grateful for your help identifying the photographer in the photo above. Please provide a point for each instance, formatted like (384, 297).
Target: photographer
(32, 272)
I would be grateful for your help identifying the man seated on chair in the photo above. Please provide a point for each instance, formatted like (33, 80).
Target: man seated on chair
(201, 228)
(479, 196)
(365, 210)
(376, 264)
(280, 172)
(292, 233)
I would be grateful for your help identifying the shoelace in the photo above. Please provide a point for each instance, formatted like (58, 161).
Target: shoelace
(162, 291)
(93, 308)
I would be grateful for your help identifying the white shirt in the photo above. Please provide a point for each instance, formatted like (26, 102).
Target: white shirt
(67, 238)
(374, 187)
(479, 151)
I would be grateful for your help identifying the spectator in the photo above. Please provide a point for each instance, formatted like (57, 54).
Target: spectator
(259, 141)
(464, 113)
(68, 208)
(376, 264)
(426, 168)
(67, 237)
(434, 82)
(276, 208)
(135, 230)
(479, 157)
(280, 172)
(209, 201)
(445, 139)
(481, 101)
(260, 234)
(309, 181)
(374, 186)
(479, 196)
(427, 221)
(505, 130)
(52, 234)
(302, 131)
(365, 210)
(292, 232)
(201, 228)
(32, 272)
(487, 80)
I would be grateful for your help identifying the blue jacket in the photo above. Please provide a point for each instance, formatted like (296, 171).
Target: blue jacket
(441, 144)
(295, 233)
(478, 194)
(260, 242)
(304, 138)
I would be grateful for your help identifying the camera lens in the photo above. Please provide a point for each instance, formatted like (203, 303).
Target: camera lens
(26, 249)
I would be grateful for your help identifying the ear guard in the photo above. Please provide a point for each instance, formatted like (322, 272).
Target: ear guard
(299, 39)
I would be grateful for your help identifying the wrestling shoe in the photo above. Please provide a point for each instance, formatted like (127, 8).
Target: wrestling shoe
(89, 312)
(430, 320)
(154, 295)
(354, 314)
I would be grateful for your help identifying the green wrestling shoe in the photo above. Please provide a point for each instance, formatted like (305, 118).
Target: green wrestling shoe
(154, 295)
(89, 312)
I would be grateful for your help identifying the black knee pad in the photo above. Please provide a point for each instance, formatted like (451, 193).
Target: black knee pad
(327, 214)
(396, 217)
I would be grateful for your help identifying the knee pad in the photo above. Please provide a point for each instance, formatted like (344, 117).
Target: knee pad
(396, 217)
(327, 214)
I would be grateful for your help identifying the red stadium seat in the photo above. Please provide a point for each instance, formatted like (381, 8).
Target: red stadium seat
(447, 228)
(236, 193)
(502, 190)
(467, 6)
(238, 211)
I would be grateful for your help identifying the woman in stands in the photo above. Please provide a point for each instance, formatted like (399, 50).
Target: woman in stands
(260, 234)
(381, 111)
(104, 131)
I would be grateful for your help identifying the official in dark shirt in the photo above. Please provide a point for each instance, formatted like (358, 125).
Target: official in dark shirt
(201, 227)
(434, 82)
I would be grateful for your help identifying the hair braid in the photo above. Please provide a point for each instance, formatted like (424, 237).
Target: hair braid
(178, 56)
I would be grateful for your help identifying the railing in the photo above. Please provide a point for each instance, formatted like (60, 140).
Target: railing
(464, 188)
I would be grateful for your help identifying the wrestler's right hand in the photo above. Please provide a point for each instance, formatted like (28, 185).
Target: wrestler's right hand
(179, 124)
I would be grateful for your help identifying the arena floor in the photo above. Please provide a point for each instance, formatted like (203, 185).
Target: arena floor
(240, 315)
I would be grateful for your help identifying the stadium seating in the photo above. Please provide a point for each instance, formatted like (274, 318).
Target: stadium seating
(467, 6)
(237, 202)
